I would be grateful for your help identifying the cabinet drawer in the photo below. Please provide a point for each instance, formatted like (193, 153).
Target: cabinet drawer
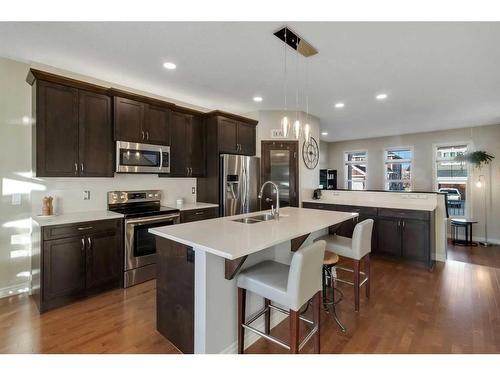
(372, 211)
(199, 214)
(318, 206)
(77, 229)
(404, 214)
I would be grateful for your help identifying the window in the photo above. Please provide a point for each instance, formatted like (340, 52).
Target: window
(355, 170)
(397, 168)
(452, 177)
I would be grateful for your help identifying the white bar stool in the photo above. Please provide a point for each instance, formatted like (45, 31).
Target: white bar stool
(289, 286)
(358, 249)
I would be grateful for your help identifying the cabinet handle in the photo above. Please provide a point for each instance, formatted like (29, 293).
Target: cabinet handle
(147, 135)
(83, 244)
(199, 213)
(90, 242)
(191, 171)
(84, 228)
(76, 168)
(81, 167)
(142, 131)
(403, 224)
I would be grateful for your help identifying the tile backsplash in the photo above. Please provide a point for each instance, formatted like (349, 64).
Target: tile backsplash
(68, 193)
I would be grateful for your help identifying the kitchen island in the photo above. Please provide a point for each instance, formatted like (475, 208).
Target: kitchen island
(197, 263)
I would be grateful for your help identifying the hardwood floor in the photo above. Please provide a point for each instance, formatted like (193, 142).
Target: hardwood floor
(453, 309)
(120, 321)
(483, 256)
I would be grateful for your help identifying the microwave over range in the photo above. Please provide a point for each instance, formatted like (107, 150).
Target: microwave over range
(142, 158)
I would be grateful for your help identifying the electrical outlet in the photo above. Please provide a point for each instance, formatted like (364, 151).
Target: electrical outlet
(16, 199)
(86, 195)
(193, 190)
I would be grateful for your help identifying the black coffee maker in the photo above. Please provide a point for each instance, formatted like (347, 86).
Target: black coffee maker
(317, 194)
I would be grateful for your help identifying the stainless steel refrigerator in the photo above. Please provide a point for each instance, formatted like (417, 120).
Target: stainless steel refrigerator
(239, 184)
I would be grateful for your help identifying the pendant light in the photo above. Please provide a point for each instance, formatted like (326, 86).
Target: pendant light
(307, 127)
(285, 123)
(297, 129)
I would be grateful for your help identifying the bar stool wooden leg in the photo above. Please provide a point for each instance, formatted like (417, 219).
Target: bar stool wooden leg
(241, 319)
(356, 285)
(294, 331)
(367, 272)
(267, 317)
(316, 319)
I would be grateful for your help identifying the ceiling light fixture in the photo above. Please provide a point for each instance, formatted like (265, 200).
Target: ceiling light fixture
(381, 96)
(339, 105)
(169, 65)
(288, 37)
(257, 99)
(324, 133)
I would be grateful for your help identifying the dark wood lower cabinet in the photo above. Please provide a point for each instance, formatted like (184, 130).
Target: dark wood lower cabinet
(199, 214)
(77, 260)
(397, 233)
(175, 293)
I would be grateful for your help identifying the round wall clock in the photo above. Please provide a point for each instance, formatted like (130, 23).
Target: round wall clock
(310, 153)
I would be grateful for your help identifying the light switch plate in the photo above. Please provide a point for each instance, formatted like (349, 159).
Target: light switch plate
(86, 195)
(16, 199)
(193, 190)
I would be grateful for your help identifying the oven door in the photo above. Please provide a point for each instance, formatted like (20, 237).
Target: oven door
(140, 245)
(142, 158)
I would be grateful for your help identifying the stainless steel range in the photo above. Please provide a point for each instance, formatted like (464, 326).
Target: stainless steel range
(142, 211)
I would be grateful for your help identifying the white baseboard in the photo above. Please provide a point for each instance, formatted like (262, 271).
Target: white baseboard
(12, 290)
(250, 337)
(494, 241)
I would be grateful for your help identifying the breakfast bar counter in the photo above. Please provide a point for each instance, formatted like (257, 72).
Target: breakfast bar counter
(197, 263)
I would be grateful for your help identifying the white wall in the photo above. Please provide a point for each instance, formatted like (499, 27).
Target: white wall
(15, 164)
(482, 138)
(17, 180)
(268, 120)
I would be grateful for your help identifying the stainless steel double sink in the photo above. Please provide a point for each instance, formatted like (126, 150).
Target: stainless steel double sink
(255, 219)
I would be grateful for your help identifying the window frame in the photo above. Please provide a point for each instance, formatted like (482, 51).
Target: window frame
(346, 163)
(468, 211)
(386, 161)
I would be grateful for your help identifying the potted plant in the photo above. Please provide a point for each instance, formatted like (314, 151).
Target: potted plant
(477, 158)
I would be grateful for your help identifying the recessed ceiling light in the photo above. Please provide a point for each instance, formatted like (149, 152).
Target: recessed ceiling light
(381, 96)
(339, 105)
(324, 133)
(169, 65)
(257, 99)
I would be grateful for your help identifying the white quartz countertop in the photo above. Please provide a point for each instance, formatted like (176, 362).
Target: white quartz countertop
(231, 240)
(75, 217)
(405, 204)
(194, 206)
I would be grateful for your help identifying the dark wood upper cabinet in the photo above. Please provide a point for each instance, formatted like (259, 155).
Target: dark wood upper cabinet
(246, 138)
(141, 119)
(156, 125)
(228, 136)
(128, 119)
(196, 141)
(95, 135)
(178, 152)
(72, 132)
(236, 137)
(55, 140)
(187, 151)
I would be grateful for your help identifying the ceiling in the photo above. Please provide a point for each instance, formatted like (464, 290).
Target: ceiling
(437, 75)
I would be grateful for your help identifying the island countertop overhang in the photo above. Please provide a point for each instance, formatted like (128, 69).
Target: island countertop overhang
(232, 240)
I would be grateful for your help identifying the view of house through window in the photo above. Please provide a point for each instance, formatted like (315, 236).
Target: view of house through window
(355, 170)
(398, 169)
(452, 177)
